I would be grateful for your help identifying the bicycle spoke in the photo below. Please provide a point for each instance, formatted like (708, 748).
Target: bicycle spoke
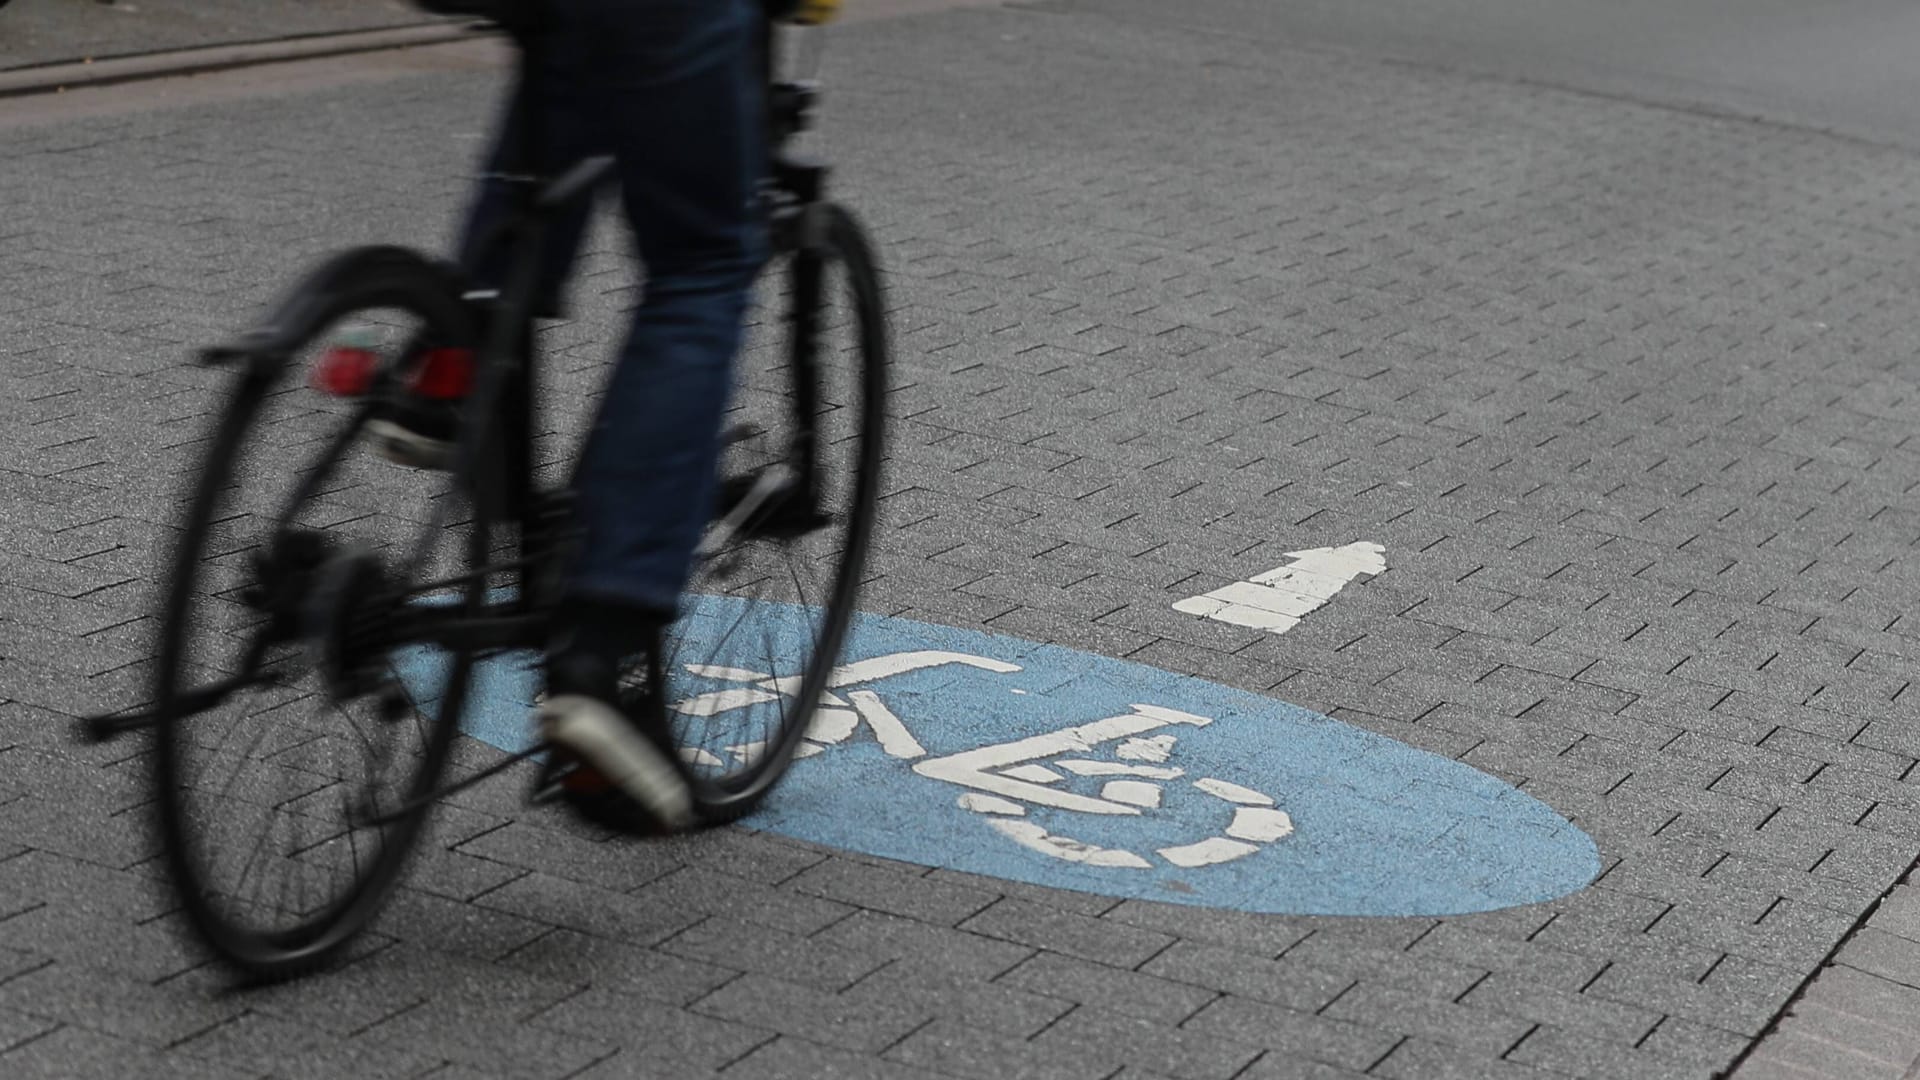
(774, 584)
(275, 663)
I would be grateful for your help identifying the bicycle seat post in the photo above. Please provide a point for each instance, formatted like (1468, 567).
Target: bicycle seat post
(524, 171)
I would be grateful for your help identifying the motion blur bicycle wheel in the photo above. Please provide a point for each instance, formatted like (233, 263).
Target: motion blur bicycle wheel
(751, 659)
(288, 744)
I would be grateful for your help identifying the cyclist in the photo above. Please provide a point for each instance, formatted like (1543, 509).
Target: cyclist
(673, 91)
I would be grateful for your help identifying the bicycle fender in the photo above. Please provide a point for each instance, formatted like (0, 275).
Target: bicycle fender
(356, 278)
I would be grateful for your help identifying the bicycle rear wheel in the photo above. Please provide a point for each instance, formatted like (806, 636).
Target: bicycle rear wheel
(765, 617)
(286, 731)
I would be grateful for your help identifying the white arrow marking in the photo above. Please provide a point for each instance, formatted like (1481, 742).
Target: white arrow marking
(1278, 599)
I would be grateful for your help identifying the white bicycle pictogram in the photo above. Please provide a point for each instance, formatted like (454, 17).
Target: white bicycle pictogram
(1130, 754)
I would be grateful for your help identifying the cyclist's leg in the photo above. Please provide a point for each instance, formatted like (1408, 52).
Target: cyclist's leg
(676, 93)
(685, 102)
(420, 427)
(562, 116)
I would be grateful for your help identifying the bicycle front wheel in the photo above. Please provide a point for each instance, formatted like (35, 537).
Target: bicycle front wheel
(292, 747)
(766, 615)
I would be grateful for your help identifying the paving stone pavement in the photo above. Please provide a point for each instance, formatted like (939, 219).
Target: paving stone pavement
(1855, 1019)
(52, 31)
(1623, 390)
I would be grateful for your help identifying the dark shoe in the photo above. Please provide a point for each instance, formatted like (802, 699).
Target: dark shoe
(769, 504)
(620, 743)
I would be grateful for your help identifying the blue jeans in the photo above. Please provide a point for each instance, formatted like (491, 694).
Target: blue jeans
(672, 90)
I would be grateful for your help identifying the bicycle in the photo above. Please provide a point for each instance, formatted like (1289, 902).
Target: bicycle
(296, 757)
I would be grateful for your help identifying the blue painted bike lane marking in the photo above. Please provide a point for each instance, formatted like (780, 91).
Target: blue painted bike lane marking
(1001, 756)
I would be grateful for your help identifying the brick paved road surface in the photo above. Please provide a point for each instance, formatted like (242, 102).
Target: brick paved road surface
(1624, 390)
(1856, 1018)
(53, 31)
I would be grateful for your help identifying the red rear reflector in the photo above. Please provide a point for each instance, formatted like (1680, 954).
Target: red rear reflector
(345, 371)
(444, 374)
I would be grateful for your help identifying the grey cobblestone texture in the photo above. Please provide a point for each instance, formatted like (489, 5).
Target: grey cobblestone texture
(54, 31)
(1856, 1017)
(1622, 389)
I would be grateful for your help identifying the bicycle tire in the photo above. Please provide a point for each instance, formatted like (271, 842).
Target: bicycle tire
(222, 574)
(733, 766)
